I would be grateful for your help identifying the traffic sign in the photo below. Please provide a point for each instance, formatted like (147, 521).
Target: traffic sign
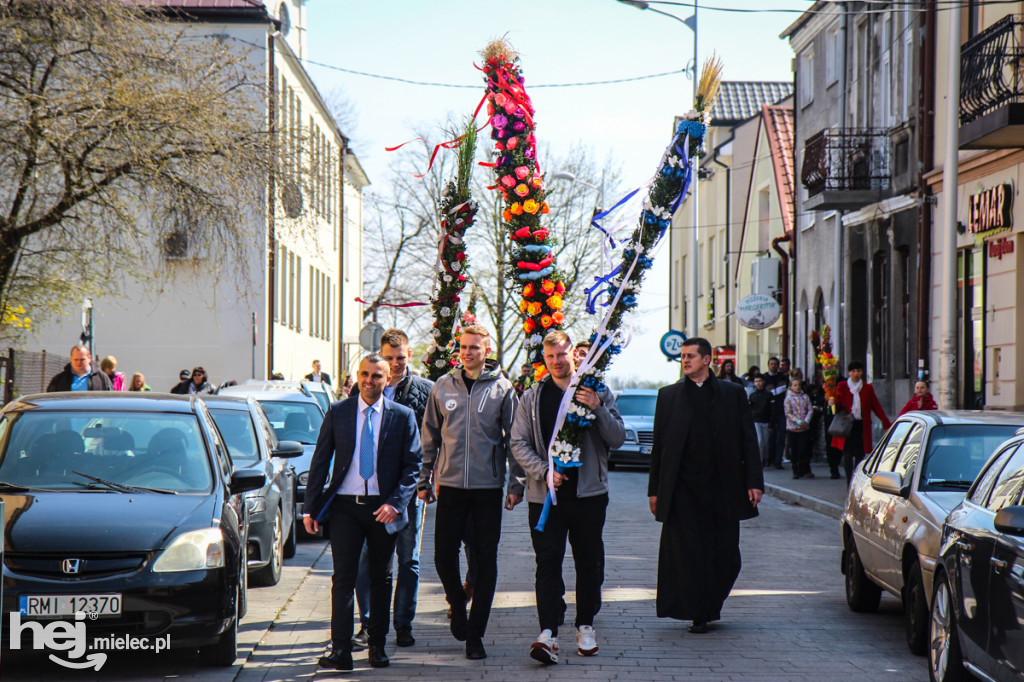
(369, 337)
(672, 344)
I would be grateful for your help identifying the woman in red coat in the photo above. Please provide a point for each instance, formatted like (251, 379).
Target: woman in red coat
(921, 400)
(857, 397)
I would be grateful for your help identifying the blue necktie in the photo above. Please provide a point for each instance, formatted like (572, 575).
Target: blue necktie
(366, 446)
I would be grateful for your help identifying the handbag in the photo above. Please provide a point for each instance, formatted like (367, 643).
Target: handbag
(841, 425)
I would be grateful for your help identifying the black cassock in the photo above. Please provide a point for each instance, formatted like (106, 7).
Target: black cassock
(701, 470)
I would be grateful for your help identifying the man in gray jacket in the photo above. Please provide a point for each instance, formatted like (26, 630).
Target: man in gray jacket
(466, 430)
(581, 495)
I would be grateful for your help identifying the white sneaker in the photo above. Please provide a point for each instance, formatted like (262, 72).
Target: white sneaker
(586, 640)
(545, 649)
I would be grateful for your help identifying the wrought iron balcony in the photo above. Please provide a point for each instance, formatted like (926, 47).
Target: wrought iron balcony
(846, 168)
(992, 86)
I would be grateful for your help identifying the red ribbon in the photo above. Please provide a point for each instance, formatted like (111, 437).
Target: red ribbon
(450, 144)
(390, 305)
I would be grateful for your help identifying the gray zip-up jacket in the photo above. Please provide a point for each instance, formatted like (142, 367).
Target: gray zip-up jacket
(465, 433)
(531, 452)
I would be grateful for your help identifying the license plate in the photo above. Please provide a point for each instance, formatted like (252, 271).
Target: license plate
(58, 606)
(645, 450)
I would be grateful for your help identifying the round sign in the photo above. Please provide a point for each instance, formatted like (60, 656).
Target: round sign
(758, 311)
(672, 344)
(369, 337)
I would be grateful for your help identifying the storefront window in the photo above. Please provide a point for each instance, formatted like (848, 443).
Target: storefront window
(971, 326)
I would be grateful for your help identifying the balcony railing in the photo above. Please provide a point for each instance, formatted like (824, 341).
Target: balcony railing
(991, 73)
(847, 160)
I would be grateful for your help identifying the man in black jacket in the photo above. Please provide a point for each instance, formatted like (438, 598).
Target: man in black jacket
(705, 477)
(79, 375)
(317, 375)
(405, 388)
(761, 411)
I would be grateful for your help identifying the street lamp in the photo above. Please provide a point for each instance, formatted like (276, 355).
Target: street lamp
(571, 177)
(691, 22)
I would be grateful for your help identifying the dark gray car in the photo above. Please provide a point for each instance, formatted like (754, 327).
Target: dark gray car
(252, 444)
(636, 405)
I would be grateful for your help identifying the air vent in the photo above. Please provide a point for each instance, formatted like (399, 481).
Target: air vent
(176, 245)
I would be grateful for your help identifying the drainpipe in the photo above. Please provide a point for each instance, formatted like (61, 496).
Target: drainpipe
(728, 228)
(342, 365)
(788, 237)
(271, 206)
(925, 152)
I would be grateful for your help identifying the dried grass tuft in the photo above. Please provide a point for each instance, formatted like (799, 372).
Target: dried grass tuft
(709, 83)
(499, 47)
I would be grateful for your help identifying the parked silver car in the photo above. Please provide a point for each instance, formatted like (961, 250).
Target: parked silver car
(898, 500)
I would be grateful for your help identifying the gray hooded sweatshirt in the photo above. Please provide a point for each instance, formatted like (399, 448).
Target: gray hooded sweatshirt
(465, 433)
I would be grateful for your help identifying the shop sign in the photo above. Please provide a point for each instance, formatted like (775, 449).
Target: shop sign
(758, 311)
(990, 210)
(997, 248)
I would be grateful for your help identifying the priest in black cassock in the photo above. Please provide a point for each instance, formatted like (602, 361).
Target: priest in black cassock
(705, 477)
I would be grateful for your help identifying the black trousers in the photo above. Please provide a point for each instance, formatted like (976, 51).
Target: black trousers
(349, 526)
(853, 448)
(454, 507)
(800, 452)
(581, 519)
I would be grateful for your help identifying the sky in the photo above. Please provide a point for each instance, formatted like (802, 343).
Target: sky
(560, 42)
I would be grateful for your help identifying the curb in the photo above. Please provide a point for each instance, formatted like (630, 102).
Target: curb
(814, 504)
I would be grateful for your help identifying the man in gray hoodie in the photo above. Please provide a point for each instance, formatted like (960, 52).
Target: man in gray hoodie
(581, 494)
(465, 432)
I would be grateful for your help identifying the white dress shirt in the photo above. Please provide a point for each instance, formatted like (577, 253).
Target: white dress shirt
(353, 483)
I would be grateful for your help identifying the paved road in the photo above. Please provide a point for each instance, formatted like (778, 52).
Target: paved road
(786, 619)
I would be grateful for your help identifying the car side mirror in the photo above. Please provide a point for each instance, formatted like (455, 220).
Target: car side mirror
(887, 482)
(287, 448)
(1010, 520)
(244, 480)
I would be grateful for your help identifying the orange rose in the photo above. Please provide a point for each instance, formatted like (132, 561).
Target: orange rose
(529, 326)
(534, 308)
(528, 290)
(516, 209)
(523, 305)
(539, 372)
(546, 321)
(548, 287)
(544, 207)
(555, 302)
(530, 206)
(506, 215)
(559, 318)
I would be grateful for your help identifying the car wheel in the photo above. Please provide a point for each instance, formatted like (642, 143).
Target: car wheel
(945, 664)
(290, 545)
(862, 595)
(270, 574)
(225, 651)
(915, 610)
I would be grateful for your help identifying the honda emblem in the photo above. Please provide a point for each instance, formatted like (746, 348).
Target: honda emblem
(70, 566)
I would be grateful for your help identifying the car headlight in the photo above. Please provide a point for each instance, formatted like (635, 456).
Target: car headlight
(630, 436)
(256, 504)
(303, 478)
(193, 551)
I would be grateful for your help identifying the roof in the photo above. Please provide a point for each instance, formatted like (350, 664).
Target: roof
(816, 8)
(226, 10)
(104, 400)
(778, 128)
(996, 417)
(740, 100)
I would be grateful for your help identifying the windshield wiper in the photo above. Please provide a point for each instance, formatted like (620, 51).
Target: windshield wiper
(14, 487)
(123, 487)
(960, 485)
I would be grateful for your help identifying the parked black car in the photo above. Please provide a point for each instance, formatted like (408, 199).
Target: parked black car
(129, 498)
(978, 601)
(252, 444)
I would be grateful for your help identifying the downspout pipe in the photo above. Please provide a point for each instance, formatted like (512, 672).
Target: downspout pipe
(342, 365)
(788, 237)
(728, 229)
(271, 205)
(926, 154)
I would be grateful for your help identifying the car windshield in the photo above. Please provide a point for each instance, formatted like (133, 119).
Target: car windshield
(120, 451)
(956, 453)
(636, 405)
(239, 434)
(293, 420)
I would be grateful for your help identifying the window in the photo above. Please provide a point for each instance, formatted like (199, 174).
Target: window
(291, 290)
(805, 76)
(906, 463)
(312, 301)
(984, 485)
(1008, 486)
(880, 346)
(892, 447)
(298, 294)
(909, 91)
(885, 73)
(330, 301)
(711, 261)
(832, 51)
(957, 452)
(763, 219)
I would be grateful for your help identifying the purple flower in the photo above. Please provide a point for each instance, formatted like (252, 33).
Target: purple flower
(529, 153)
(499, 121)
(519, 126)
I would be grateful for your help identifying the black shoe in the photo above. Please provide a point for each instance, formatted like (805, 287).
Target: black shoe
(403, 637)
(835, 476)
(361, 640)
(796, 476)
(809, 474)
(377, 657)
(337, 660)
(699, 627)
(460, 622)
(561, 619)
(475, 650)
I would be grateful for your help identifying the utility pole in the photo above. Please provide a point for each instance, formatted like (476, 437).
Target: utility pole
(695, 237)
(950, 184)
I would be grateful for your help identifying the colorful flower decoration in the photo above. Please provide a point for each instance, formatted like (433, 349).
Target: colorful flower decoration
(829, 363)
(518, 180)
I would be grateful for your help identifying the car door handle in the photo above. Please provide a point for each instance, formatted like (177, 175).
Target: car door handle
(997, 564)
(965, 546)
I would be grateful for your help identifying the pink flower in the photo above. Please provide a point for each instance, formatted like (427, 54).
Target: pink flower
(522, 190)
(512, 142)
(510, 107)
(500, 99)
(522, 172)
(519, 126)
(509, 181)
(530, 153)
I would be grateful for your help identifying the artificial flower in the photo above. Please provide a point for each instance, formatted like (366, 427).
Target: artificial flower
(534, 308)
(519, 126)
(539, 372)
(446, 312)
(524, 306)
(507, 215)
(499, 121)
(516, 209)
(546, 321)
(460, 256)
(536, 182)
(529, 325)
(522, 190)
(528, 290)
(500, 99)
(559, 318)
(530, 206)
(555, 302)
(511, 143)
(522, 172)
(544, 207)
(456, 266)
(508, 181)
(462, 278)
(560, 288)
(548, 287)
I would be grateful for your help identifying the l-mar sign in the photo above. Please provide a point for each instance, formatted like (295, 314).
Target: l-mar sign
(990, 210)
